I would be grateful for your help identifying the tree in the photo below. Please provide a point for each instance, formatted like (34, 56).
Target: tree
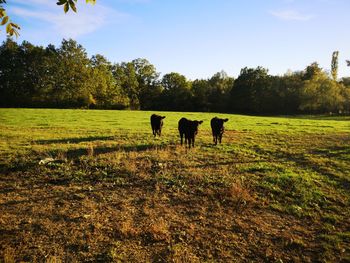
(201, 91)
(321, 94)
(335, 65)
(72, 84)
(248, 90)
(177, 93)
(10, 73)
(126, 77)
(220, 85)
(13, 28)
(140, 81)
(312, 71)
(33, 76)
(287, 91)
(149, 88)
(27, 74)
(106, 93)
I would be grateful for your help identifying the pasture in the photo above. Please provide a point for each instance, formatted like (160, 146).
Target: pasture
(276, 190)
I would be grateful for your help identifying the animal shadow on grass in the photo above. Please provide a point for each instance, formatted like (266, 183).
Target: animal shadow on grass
(75, 140)
(76, 153)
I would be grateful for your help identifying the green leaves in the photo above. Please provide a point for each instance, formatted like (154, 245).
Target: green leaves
(68, 4)
(71, 4)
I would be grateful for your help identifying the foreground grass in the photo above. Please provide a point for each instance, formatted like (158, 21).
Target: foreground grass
(277, 189)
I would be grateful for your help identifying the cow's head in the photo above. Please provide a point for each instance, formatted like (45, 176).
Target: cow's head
(195, 126)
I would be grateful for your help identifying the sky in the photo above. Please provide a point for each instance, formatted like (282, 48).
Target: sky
(196, 38)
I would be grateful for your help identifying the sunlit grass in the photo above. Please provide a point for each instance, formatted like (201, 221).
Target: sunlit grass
(292, 168)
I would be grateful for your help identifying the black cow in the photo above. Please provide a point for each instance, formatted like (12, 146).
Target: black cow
(217, 128)
(157, 124)
(189, 129)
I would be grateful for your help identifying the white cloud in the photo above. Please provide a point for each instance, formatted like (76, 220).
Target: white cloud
(291, 15)
(88, 19)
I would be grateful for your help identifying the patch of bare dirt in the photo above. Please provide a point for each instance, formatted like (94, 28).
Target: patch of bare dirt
(41, 220)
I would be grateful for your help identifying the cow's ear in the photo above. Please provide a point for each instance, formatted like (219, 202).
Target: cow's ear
(225, 120)
(163, 117)
(200, 122)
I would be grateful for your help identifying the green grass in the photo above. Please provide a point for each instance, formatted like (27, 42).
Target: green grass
(278, 188)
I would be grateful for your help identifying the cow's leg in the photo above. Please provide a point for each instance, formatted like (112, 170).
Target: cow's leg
(159, 132)
(220, 137)
(181, 136)
(154, 132)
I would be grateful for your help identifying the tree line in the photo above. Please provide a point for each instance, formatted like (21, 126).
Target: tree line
(65, 77)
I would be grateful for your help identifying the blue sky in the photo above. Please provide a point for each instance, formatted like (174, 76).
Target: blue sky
(197, 38)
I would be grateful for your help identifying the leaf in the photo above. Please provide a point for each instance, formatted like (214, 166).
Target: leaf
(8, 27)
(4, 20)
(2, 12)
(16, 32)
(15, 25)
(61, 2)
(91, 1)
(66, 7)
(72, 5)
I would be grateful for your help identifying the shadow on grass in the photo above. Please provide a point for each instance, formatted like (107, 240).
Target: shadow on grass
(320, 117)
(338, 152)
(76, 140)
(76, 153)
(207, 165)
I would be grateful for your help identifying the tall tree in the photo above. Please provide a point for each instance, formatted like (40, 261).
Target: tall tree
(126, 77)
(311, 71)
(177, 93)
(10, 74)
(220, 86)
(105, 92)
(201, 92)
(73, 83)
(248, 89)
(149, 88)
(334, 65)
(322, 94)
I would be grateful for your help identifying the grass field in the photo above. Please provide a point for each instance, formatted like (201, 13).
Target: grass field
(276, 190)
